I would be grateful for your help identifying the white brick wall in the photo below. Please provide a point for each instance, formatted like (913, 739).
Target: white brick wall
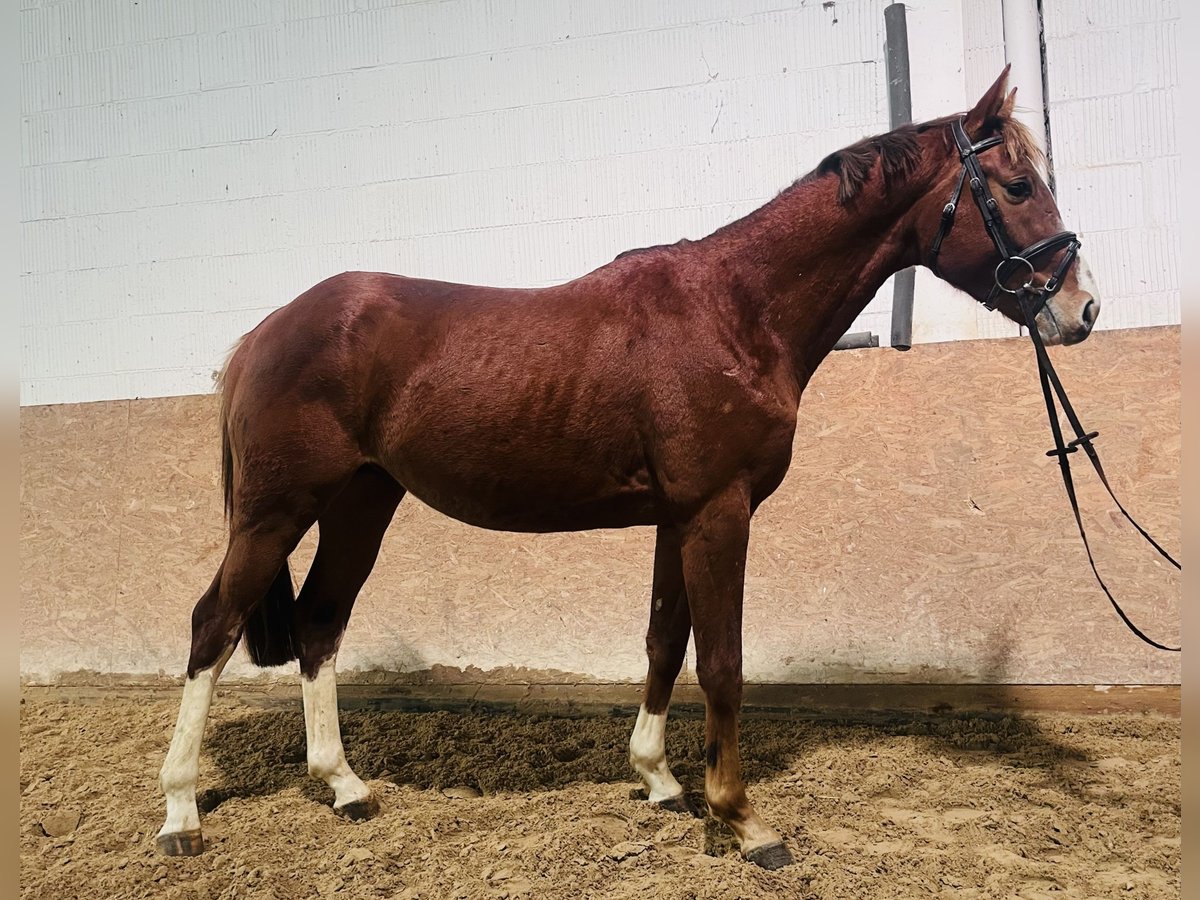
(187, 167)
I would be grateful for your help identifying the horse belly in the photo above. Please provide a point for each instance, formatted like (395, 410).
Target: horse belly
(526, 485)
(531, 513)
(528, 504)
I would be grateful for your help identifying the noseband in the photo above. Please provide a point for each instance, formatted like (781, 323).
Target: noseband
(1011, 264)
(1031, 299)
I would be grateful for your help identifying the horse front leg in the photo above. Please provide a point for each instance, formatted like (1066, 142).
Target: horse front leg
(666, 643)
(714, 570)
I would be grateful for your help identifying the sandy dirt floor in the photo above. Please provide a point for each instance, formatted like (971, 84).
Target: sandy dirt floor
(501, 805)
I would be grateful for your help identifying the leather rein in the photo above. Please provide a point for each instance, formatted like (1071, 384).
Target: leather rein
(1031, 298)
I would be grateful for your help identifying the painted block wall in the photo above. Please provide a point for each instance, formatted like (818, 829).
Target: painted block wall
(1113, 87)
(188, 167)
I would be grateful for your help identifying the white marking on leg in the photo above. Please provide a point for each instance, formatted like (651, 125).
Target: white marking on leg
(181, 768)
(648, 755)
(326, 758)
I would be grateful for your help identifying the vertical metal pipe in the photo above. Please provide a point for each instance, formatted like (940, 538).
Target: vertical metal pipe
(1023, 51)
(899, 113)
(899, 83)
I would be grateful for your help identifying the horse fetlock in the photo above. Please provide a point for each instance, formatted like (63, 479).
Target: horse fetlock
(647, 755)
(325, 763)
(348, 788)
(728, 804)
(661, 786)
(644, 758)
(176, 778)
(755, 837)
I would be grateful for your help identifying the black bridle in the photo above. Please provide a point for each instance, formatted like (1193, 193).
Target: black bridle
(1031, 298)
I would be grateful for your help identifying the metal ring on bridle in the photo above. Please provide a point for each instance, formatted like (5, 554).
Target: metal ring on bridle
(1025, 286)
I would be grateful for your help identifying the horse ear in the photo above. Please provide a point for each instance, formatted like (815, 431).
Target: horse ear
(1010, 103)
(990, 108)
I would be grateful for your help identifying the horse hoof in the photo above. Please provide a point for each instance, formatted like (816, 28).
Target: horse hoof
(182, 843)
(677, 804)
(771, 856)
(359, 810)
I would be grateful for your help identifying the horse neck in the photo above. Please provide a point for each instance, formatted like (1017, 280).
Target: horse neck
(812, 264)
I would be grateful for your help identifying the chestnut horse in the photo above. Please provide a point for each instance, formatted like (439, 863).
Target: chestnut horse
(661, 389)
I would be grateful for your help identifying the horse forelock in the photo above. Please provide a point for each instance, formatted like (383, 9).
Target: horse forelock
(1020, 144)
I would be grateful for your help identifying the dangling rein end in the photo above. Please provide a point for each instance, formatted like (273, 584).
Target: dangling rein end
(1051, 386)
(1031, 298)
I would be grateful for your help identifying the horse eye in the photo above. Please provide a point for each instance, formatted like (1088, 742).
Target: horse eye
(1019, 190)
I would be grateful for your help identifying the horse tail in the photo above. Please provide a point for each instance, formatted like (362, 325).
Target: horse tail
(225, 389)
(268, 629)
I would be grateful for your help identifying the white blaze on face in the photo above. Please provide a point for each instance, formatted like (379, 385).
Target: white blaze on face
(1085, 279)
(648, 755)
(326, 758)
(182, 765)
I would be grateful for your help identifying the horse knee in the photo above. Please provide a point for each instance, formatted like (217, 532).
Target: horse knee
(318, 635)
(211, 630)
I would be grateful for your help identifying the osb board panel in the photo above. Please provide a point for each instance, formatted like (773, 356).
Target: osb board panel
(921, 536)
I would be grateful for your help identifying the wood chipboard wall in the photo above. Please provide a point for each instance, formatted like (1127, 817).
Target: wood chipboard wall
(921, 536)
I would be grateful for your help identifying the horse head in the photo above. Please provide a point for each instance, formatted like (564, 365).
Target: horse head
(1001, 236)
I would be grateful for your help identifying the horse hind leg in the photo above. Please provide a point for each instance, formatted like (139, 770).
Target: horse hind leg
(666, 643)
(351, 531)
(254, 567)
(180, 834)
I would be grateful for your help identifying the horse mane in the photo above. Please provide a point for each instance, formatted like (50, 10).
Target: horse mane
(899, 152)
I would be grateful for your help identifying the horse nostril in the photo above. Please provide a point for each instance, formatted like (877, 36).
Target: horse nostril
(1090, 311)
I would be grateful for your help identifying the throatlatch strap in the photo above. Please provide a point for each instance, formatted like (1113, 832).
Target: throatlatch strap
(1051, 385)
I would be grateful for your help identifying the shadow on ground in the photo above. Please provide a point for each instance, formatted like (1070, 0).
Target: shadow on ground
(498, 749)
(264, 751)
